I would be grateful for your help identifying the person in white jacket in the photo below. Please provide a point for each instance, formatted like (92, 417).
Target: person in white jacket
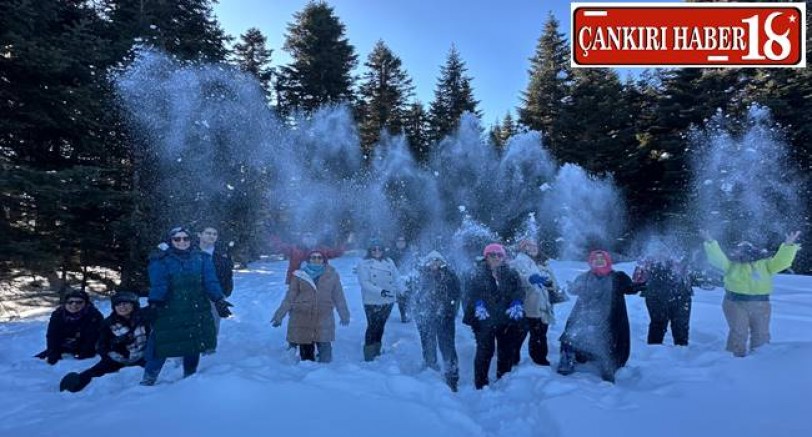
(536, 281)
(380, 285)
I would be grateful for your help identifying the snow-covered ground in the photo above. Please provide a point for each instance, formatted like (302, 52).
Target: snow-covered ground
(255, 386)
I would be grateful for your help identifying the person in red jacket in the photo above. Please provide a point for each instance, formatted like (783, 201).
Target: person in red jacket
(297, 253)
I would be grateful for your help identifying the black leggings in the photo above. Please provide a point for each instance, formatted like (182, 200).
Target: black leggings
(537, 345)
(376, 321)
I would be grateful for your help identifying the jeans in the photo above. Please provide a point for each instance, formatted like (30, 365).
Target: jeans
(154, 364)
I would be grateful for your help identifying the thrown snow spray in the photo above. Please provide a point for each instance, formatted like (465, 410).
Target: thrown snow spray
(744, 185)
(589, 212)
(211, 136)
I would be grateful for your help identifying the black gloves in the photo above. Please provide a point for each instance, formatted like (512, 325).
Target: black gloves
(387, 293)
(222, 308)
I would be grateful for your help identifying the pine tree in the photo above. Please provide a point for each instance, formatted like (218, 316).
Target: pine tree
(453, 95)
(501, 132)
(61, 169)
(384, 92)
(252, 56)
(415, 126)
(187, 29)
(549, 76)
(592, 118)
(323, 60)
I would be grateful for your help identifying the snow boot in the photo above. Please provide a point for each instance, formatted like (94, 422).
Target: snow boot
(452, 380)
(73, 382)
(370, 352)
(567, 364)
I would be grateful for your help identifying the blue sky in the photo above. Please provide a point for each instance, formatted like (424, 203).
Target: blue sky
(495, 38)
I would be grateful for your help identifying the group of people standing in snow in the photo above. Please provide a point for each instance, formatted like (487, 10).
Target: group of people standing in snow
(504, 300)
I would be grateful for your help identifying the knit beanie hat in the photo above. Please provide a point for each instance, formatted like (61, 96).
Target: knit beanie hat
(494, 248)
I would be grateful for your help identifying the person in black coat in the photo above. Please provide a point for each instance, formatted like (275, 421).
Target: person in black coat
(435, 303)
(122, 342)
(494, 310)
(223, 266)
(598, 326)
(666, 283)
(223, 263)
(73, 329)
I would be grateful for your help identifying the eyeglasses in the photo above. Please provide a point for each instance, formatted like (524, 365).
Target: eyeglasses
(316, 257)
(373, 249)
(495, 255)
(179, 239)
(74, 302)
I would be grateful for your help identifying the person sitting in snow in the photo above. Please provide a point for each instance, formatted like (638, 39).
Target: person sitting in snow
(297, 253)
(182, 283)
(122, 342)
(494, 311)
(313, 294)
(435, 301)
(537, 281)
(749, 274)
(73, 329)
(598, 327)
(380, 284)
(666, 283)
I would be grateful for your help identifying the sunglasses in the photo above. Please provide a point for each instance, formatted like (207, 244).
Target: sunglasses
(179, 239)
(373, 249)
(316, 257)
(75, 302)
(495, 255)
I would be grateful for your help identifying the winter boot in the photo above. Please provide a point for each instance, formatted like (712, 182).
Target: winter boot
(378, 347)
(369, 352)
(567, 364)
(452, 380)
(148, 380)
(74, 382)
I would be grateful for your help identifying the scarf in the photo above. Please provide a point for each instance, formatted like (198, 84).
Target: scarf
(314, 271)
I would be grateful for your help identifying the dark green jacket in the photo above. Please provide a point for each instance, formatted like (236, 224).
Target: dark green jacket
(182, 283)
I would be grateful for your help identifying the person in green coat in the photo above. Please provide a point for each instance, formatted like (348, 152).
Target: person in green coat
(182, 282)
(748, 280)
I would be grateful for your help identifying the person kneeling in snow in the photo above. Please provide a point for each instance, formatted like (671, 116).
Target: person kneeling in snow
(494, 310)
(313, 293)
(749, 274)
(73, 329)
(598, 326)
(121, 344)
(435, 307)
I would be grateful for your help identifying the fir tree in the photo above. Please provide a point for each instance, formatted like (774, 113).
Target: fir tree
(187, 29)
(323, 60)
(453, 95)
(384, 92)
(415, 126)
(252, 56)
(549, 76)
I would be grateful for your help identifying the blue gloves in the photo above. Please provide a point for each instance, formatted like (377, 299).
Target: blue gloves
(516, 310)
(540, 280)
(480, 312)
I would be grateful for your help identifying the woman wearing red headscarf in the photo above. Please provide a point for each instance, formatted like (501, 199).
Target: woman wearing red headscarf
(598, 326)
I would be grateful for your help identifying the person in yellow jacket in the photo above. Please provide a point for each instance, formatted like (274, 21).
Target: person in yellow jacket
(748, 281)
